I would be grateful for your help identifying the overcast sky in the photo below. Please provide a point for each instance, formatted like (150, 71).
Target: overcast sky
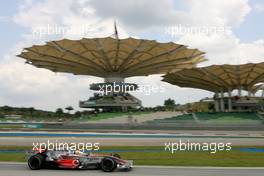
(229, 32)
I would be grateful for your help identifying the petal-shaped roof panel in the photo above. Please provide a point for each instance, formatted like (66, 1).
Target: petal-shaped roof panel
(108, 56)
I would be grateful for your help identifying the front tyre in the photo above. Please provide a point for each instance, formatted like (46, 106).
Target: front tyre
(108, 164)
(36, 162)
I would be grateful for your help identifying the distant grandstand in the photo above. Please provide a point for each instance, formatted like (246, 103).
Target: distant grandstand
(185, 118)
(209, 118)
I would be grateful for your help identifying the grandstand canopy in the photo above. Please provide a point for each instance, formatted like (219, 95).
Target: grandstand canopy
(111, 57)
(218, 78)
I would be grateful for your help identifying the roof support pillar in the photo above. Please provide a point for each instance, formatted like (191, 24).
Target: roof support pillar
(239, 95)
(239, 91)
(216, 102)
(222, 105)
(249, 93)
(229, 101)
(112, 79)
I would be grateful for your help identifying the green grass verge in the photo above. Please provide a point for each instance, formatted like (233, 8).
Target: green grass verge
(231, 158)
(232, 120)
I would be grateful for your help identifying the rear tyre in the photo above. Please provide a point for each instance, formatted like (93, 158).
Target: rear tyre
(108, 164)
(36, 162)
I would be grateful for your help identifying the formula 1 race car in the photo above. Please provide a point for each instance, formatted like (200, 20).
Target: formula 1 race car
(76, 160)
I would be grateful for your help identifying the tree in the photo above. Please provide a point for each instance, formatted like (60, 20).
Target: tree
(31, 110)
(59, 112)
(69, 108)
(6, 109)
(169, 102)
(78, 114)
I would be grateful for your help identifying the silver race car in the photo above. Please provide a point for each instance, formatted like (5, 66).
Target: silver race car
(43, 158)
